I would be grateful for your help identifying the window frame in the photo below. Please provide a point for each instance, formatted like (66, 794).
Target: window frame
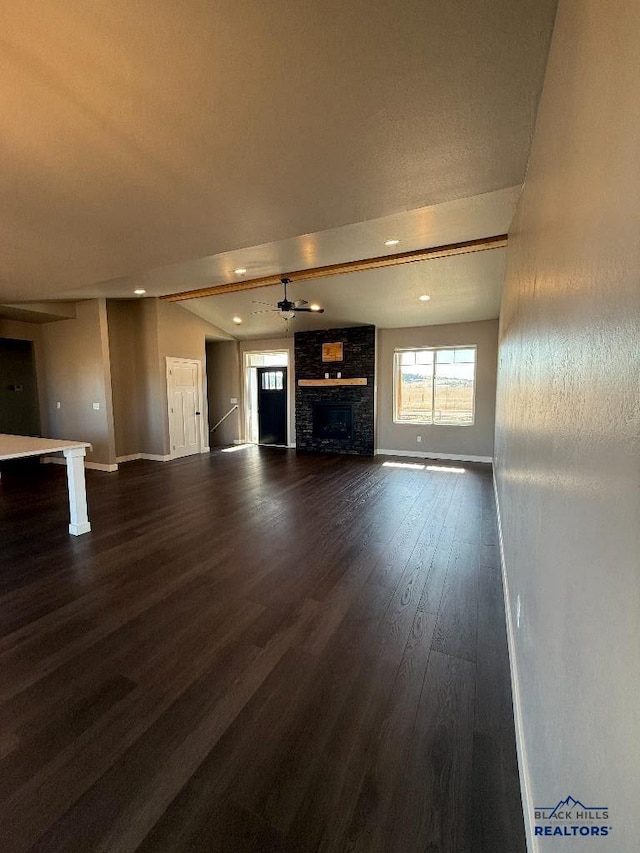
(397, 353)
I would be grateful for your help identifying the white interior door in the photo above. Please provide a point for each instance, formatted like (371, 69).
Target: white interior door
(183, 393)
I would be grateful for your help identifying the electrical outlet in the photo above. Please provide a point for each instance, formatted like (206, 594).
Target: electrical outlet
(419, 439)
(57, 405)
(233, 401)
(96, 406)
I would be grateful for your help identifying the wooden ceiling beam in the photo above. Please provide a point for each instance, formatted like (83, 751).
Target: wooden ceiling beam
(464, 248)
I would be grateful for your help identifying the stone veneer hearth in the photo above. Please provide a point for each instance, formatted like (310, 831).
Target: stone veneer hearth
(359, 358)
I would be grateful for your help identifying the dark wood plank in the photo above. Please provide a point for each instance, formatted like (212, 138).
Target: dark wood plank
(495, 766)
(201, 820)
(373, 816)
(432, 809)
(456, 628)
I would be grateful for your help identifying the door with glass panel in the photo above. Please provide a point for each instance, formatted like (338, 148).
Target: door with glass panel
(272, 405)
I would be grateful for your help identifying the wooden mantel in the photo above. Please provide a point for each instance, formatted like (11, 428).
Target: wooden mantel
(313, 383)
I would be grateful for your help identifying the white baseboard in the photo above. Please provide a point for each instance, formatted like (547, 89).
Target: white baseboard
(153, 457)
(521, 749)
(206, 449)
(94, 466)
(420, 454)
(100, 466)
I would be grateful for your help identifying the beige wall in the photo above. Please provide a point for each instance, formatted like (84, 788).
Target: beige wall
(224, 383)
(114, 353)
(125, 350)
(142, 334)
(568, 427)
(76, 372)
(182, 334)
(471, 441)
(153, 400)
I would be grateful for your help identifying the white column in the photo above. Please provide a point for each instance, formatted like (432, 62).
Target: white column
(77, 491)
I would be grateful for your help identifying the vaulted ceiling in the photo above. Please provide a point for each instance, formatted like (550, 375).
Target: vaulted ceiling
(169, 143)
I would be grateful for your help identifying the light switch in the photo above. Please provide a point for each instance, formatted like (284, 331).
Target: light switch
(96, 406)
(58, 405)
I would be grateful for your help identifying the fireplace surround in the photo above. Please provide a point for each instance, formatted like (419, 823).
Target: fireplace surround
(336, 418)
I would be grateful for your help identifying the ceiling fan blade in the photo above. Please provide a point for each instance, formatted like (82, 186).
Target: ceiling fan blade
(284, 306)
(310, 310)
(265, 311)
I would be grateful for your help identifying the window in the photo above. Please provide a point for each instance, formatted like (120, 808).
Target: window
(435, 386)
(266, 359)
(272, 380)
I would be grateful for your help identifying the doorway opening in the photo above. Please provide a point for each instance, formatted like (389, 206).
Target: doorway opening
(266, 395)
(19, 409)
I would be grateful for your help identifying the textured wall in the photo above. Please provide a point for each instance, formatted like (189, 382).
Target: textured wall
(359, 350)
(470, 441)
(568, 421)
(125, 352)
(223, 383)
(76, 372)
(182, 334)
(154, 428)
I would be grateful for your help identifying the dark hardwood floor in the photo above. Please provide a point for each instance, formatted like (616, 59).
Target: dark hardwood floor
(255, 651)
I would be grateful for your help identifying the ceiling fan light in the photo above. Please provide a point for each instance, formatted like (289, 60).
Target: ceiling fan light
(237, 320)
(314, 306)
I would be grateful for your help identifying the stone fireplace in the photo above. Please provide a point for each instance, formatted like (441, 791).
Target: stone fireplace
(335, 387)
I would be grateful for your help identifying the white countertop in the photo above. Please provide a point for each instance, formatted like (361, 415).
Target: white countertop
(16, 446)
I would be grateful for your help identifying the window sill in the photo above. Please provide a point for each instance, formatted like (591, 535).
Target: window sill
(426, 424)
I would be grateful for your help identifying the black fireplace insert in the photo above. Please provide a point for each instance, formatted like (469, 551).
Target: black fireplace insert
(333, 420)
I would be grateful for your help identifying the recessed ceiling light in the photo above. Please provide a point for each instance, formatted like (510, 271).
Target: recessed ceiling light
(240, 271)
(424, 298)
(391, 242)
(314, 306)
(237, 320)
(139, 291)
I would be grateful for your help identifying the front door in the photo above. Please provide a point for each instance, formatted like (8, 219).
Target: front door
(183, 391)
(272, 405)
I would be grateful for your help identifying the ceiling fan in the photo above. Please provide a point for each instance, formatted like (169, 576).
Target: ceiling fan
(286, 307)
